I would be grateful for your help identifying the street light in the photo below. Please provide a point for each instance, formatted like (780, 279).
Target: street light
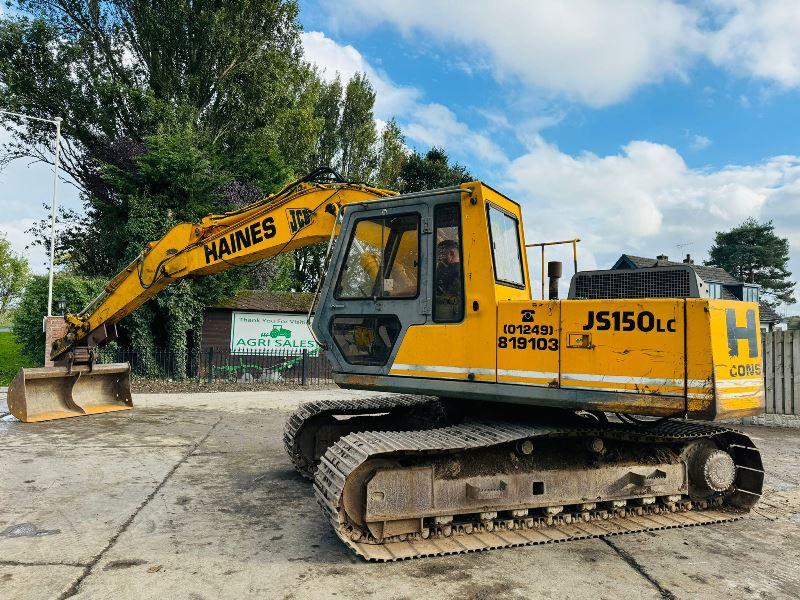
(57, 123)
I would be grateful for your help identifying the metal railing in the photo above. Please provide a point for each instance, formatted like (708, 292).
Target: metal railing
(222, 365)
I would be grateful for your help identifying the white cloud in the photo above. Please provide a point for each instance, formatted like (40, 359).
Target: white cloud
(759, 39)
(700, 142)
(436, 125)
(594, 51)
(646, 200)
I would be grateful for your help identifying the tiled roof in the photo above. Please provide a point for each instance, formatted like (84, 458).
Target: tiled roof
(717, 274)
(261, 300)
(767, 314)
(640, 262)
(705, 272)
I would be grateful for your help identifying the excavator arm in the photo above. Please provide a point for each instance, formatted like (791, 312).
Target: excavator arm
(303, 213)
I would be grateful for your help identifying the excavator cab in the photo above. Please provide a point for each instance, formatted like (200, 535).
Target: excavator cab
(378, 290)
(413, 287)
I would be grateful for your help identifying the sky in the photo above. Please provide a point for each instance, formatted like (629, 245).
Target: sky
(639, 126)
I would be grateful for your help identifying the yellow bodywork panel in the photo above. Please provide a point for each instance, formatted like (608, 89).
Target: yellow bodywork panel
(623, 345)
(528, 342)
(640, 356)
(736, 348)
(660, 357)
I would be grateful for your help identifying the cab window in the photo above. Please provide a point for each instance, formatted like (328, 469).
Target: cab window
(506, 250)
(448, 292)
(382, 259)
(365, 339)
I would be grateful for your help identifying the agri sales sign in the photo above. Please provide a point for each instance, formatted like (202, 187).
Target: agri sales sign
(251, 332)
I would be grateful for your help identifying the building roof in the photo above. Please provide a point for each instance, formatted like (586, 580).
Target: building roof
(264, 301)
(767, 314)
(705, 272)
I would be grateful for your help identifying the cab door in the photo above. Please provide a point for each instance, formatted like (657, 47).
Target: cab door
(376, 288)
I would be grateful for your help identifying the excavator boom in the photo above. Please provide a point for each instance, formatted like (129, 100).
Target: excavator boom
(303, 213)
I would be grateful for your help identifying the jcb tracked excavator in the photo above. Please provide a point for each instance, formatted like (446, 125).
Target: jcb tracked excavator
(500, 435)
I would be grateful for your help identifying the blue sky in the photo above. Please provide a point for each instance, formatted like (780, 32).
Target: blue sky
(640, 126)
(744, 118)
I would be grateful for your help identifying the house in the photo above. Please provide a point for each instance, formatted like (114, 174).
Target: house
(715, 283)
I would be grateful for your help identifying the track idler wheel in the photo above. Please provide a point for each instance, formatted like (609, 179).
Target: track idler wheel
(711, 470)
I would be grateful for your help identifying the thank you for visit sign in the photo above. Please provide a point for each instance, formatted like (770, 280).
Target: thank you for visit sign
(251, 332)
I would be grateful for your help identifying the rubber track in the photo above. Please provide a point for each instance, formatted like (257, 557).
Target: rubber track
(351, 451)
(321, 408)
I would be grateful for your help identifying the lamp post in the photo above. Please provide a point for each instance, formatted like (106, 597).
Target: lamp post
(57, 123)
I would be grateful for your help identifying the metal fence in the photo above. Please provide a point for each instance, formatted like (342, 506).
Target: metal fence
(220, 364)
(782, 372)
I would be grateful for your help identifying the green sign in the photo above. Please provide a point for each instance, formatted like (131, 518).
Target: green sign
(254, 332)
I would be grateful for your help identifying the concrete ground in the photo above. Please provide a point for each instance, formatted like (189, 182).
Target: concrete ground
(192, 496)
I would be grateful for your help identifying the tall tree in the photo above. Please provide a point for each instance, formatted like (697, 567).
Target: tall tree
(13, 276)
(392, 155)
(347, 142)
(171, 111)
(123, 68)
(753, 252)
(357, 131)
(433, 170)
(329, 111)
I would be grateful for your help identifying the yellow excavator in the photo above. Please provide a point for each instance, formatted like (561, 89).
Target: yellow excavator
(502, 432)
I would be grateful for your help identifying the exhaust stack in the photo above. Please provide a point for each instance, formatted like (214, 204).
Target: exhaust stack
(554, 270)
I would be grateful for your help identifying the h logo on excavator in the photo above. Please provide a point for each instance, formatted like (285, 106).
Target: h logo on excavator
(749, 332)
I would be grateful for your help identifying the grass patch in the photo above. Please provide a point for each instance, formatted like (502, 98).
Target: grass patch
(11, 359)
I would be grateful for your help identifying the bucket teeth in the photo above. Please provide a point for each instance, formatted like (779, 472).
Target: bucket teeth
(48, 393)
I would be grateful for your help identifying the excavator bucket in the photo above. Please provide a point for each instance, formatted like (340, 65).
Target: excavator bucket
(43, 394)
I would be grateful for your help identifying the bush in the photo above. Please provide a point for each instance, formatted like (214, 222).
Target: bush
(27, 325)
(7, 318)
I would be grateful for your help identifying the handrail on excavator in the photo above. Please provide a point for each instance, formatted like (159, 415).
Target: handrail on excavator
(541, 245)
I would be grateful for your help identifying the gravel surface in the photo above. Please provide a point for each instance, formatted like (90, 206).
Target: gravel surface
(192, 496)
